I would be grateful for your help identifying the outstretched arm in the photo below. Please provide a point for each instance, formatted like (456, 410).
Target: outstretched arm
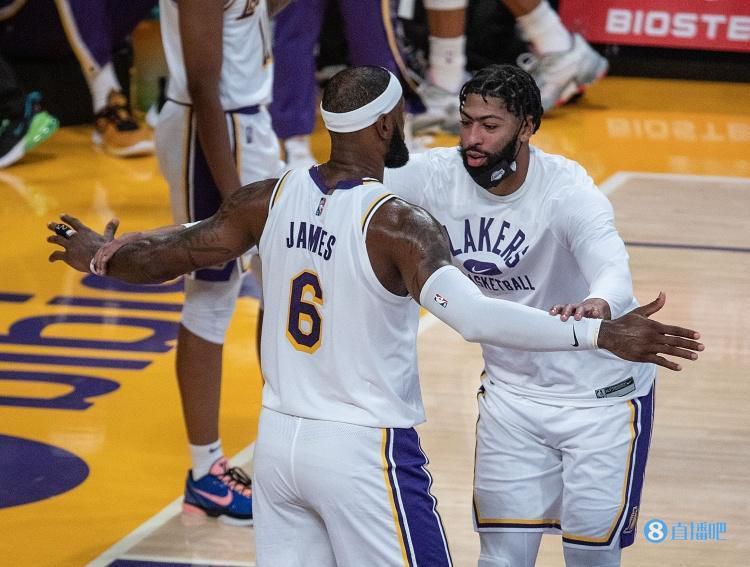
(160, 255)
(410, 253)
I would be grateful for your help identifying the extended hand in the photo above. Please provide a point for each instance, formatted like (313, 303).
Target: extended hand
(593, 308)
(80, 245)
(102, 256)
(636, 337)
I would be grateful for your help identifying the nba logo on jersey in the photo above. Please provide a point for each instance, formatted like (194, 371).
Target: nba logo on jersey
(319, 210)
(440, 300)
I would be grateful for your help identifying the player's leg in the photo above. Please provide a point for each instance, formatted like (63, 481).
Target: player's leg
(372, 489)
(447, 22)
(370, 27)
(210, 296)
(509, 549)
(518, 477)
(563, 64)
(92, 33)
(606, 447)
(295, 35)
(575, 557)
(287, 532)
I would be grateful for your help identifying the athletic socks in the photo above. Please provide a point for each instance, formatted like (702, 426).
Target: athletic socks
(203, 456)
(544, 30)
(447, 62)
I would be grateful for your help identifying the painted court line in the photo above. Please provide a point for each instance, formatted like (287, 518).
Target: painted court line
(614, 182)
(119, 549)
(621, 177)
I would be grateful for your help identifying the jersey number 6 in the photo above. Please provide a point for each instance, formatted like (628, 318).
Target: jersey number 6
(305, 326)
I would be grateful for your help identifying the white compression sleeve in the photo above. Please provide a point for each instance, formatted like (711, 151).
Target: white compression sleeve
(452, 298)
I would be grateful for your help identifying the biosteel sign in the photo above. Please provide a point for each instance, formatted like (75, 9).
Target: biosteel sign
(722, 25)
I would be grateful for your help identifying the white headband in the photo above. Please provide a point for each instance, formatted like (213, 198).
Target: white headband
(366, 115)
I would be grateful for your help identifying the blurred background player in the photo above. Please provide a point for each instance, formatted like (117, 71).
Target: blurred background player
(562, 64)
(213, 136)
(92, 30)
(23, 123)
(369, 27)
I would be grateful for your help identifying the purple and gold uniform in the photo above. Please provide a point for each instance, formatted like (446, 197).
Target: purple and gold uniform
(340, 478)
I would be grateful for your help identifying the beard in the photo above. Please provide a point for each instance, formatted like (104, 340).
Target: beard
(398, 153)
(497, 167)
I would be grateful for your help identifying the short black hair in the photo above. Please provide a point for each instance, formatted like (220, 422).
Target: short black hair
(354, 87)
(514, 86)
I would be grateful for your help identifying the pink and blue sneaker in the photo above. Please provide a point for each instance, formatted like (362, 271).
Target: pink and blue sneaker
(225, 493)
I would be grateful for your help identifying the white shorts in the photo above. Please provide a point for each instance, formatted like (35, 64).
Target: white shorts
(328, 493)
(578, 471)
(193, 193)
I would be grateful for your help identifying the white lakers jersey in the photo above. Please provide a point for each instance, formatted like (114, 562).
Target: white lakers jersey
(336, 344)
(247, 65)
(528, 247)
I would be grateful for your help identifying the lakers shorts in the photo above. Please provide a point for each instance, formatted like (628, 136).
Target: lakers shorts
(193, 193)
(578, 471)
(328, 493)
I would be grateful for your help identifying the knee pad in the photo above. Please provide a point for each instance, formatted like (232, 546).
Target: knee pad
(445, 5)
(487, 561)
(509, 549)
(576, 557)
(208, 307)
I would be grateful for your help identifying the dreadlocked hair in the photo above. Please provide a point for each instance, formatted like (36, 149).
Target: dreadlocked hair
(354, 87)
(515, 87)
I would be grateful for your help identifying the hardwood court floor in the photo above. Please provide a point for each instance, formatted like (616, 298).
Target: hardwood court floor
(92, 448)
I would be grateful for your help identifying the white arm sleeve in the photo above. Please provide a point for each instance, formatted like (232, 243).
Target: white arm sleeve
(586, 223)
(452, 298)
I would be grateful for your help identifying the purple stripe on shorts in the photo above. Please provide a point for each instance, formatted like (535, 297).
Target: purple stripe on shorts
(425, 537)
(642, 423)
(645, 427)
(206, 200)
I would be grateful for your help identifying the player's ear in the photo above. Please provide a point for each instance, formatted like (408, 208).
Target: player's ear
(383, 126)
(527, 130)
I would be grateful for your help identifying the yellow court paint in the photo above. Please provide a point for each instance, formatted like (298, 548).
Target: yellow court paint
(132, 438)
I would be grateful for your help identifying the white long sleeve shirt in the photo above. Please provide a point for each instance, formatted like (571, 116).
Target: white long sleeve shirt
(552, 241)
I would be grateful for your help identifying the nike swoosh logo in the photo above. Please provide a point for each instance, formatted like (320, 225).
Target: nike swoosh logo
(474, 270)
(222, 501)
(575, 338)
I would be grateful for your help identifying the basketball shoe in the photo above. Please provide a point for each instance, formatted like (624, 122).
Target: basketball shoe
(441, 112)
(562, 75)
(224, 492)
(117, 132)
(19, 136)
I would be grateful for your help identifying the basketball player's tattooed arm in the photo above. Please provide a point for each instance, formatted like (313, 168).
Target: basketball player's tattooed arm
(159, 255)
(407, 246)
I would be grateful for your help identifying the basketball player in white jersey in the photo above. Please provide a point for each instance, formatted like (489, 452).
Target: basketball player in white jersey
(214, 135)
(340, 478)
(562, 438)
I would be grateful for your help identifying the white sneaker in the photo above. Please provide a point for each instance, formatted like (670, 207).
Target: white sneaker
(298, 153)
(415, 143)
(561, 76)
(442, 110)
